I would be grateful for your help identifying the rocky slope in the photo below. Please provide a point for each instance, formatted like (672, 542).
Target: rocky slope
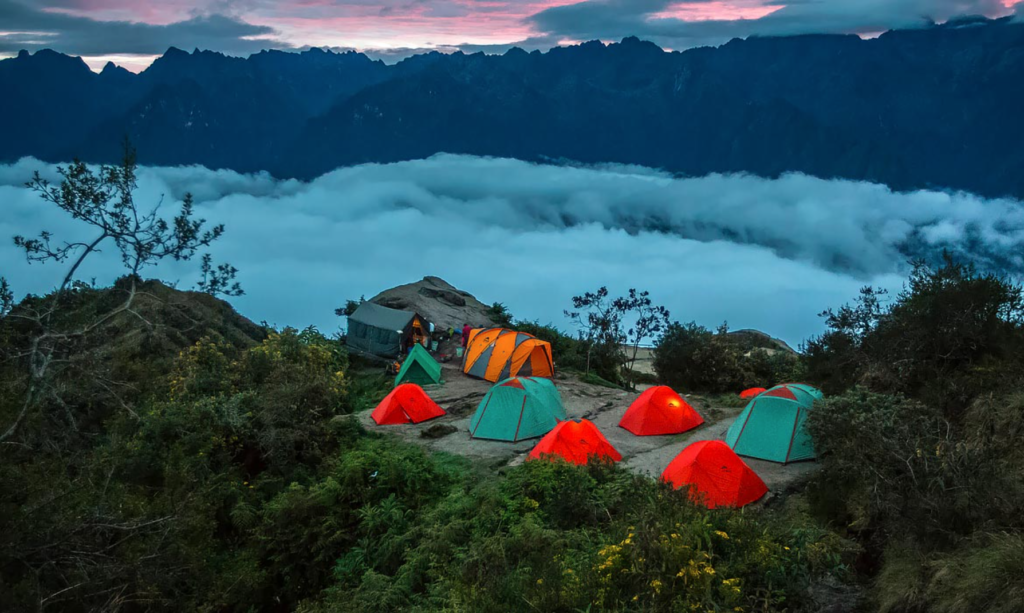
(440, 302)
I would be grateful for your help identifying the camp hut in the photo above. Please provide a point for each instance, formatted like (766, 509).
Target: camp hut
(419, 368)
(407, 403)
(385, 332)
(495, 354)
(575, 442)
(773, 425)
(752, 392)
(660, 410)
(716, 476)
(518, 409)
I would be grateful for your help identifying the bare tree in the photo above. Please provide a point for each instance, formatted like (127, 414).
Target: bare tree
(599, 322)
(103, 199)
(651, 321)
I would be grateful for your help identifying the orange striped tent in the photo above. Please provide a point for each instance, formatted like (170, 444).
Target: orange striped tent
(495, 354)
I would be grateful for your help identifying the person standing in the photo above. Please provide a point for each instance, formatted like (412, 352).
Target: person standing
(465, 335)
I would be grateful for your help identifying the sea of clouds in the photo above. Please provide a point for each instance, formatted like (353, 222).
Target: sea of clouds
(759, 253)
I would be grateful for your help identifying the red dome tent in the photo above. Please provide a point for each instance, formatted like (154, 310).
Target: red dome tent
(752, 392)
(406, 403)
(719, 478)
(575, 442)
(659, 410)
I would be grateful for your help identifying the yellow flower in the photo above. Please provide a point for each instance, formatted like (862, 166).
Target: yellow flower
(722, 534)
(540, 582)
(786, 548)
(637, 596)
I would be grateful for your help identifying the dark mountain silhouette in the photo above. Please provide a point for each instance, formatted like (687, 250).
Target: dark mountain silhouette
(933, 107)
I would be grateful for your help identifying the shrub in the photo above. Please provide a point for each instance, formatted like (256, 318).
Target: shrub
(986, 574)
(950, 335)
(691, 357)
(499, 314)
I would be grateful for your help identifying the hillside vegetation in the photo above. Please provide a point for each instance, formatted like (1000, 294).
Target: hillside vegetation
(234, 481)
(230, 479)
(159, 452)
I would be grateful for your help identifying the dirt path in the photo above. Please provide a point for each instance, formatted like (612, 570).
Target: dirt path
(460, 395)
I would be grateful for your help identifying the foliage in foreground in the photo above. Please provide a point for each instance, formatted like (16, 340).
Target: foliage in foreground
(920, 441)
(240, 484)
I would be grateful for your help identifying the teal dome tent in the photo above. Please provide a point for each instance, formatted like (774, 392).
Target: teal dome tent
(773, 425)
(518, 409)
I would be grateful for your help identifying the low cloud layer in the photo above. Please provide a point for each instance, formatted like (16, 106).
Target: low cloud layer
(767, 254)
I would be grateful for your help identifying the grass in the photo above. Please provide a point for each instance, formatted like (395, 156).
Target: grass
(368, 389)
(593, 379)
(727, 400)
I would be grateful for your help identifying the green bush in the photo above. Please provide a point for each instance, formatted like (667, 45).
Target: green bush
(558, 537)
(692, 358)
(984, 575)
(898, 467)
(953, 333)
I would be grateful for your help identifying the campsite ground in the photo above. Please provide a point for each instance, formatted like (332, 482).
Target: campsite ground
(459, 395)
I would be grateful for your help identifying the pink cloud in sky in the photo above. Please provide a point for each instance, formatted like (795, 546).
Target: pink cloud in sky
(484, 24)
(156, 13)
(717, 10)
(416, 24)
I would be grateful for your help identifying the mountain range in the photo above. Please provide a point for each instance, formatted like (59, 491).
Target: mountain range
(936, 107)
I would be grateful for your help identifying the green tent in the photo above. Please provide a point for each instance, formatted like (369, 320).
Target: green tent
(419, 368)
(518, 409)
(773, 425)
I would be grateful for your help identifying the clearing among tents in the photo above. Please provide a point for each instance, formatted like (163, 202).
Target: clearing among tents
(716, 476)
(498, 353)
(752, 392)
(660, 410)
(420, 368)
(518, 409)
(773, 425)
(385, 332)
(575, 442)
(407, 403)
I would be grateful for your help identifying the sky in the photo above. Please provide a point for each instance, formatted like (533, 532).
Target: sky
(133, 32)
(769, 254)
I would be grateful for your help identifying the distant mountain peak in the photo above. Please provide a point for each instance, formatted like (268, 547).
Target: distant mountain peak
(923, 107)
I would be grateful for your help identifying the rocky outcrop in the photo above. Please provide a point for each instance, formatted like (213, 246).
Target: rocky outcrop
(440, 302)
